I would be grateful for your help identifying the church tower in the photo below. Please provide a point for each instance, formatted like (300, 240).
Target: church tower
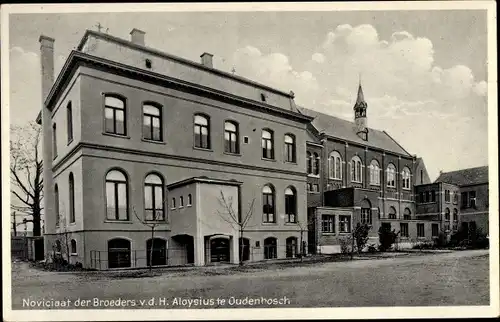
(360, 115)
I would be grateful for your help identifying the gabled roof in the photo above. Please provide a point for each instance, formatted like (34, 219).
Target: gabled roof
(346, 130)
(465, 177)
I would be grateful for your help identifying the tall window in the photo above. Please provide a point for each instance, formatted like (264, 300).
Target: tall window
(190, 200)
(404, 229)
(420, 230)
(407, 214)
(151, 122)
(472, 199)
(335, 165)
(290, 148)
(455, 214)
(56, 200)
(447, 196)
(406, 175)
(116, 196)
(433, 196)
(464, 199)
(316, 163)
(356, 169)
(73, 246)
(345, 224)
(392, 213)
(309, 161)
(54, 140)
(328, 223)
(201, 132)
(71, 198)
(291, 205)
(69, 121)
(154, 198)
(435, 230)
(366, 212)
(267, 144)
(114, 114)
(231, 137)
(391, 175)
(374, 173)
(268, 204)
(455, 198)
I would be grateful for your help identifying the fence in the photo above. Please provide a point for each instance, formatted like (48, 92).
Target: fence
(123, 258)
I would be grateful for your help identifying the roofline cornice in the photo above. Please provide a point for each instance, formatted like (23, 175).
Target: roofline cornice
(203, 180)
(76, 57)
(178, 59)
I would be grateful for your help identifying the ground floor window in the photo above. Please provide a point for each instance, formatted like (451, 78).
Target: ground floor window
(435, 230)
(291, 247)
(119, 253)
(420, 230)
(366, 216)
(328, 223)
(270, 248)
(404, 230)
(219, 250)
(345, 224)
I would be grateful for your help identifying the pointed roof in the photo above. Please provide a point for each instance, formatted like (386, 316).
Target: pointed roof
(361, 98)
(463, 177)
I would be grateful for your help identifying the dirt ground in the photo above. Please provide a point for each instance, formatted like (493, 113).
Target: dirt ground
(449, 278)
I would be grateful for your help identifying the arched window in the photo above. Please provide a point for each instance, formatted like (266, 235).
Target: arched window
(190, 200)
(392, 213)
(291, 247)
(114, 115)
(118, 253)
(116, 195)
(290, 148)
(73, 246)
(56, 200)
(366, 212)
(71, 198)
(455, 214)
(151, 126)
(154, 198)
(407, 214)
(69, 122)
(270, 248)
(54, 140)
(309, 187)
(356, 169)
(447, 214)
(181, 202)
(268, 203)
(159, 251)
(231, 137)
(291, 205)
(391, 175)
(335, 166)
(406, 175)
(267, 144)
(374, 173)
(309, 160)
(201, 131)
(316, 163)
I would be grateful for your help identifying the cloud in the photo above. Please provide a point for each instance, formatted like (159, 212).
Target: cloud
(319, 58)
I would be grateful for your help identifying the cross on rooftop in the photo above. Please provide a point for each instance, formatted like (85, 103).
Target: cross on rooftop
(233, 70)
(99, 27)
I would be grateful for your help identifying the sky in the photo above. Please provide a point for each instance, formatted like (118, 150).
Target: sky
(423, 72)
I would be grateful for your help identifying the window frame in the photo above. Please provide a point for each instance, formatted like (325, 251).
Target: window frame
(265, 142)
(201, 127)
(406, 176)
(334, 160)
(391, 175)
(71, 182)
(404, 232)
(116, 198)
(114, 109)
(291, 210)
(375, 173)
(343, 223)
(54, 141)
(151, 117)
(235, 133)
(265, 203)
(57, 205)
(420, 225)
(356, 168)
(290, 149)
(153, 208)
(329, 220)
(69, 122)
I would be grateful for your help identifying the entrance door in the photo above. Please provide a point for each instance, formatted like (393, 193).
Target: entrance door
(159, 252)
(291, 247)
(219, 250)
(39, 249)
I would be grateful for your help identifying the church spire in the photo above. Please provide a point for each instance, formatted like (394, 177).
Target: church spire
(360, 100)
(360, 113)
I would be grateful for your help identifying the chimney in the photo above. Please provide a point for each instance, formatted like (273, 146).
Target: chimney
(47, 78)
(47, 64)
(207, 60)
(137, 37)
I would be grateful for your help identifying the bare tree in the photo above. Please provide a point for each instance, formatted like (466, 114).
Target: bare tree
(303, 228)
(26, 173)
(236, 221)
(158, 218)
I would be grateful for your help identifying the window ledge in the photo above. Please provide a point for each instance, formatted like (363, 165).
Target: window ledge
(313, 175)
(233, 154)
(270, 224)
(118, 221)
(123, 136)
(73, 254)
(290, 162)
(267, 159)
(289, 223)
(153, 141)
(328, 234)
(203, 149)
(344, 233)
(336, 179)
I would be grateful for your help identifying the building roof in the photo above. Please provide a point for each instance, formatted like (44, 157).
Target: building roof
(465, 177)
(346, 130)
(361, 97)
(203, 179)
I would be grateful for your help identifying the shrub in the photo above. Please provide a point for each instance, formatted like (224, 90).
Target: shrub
(387, 238)
(424, 245)
(346, 245)
(372, 249)
(441, 241)
(361, 236)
